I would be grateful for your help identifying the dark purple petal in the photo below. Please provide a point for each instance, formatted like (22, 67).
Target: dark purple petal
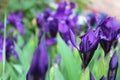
(72, 5)
(39, 64)
(88, 41)
(113, 66)
(47, 13)
(53, 26)
(92, 19)
(109, 29)
(106, 45)
(1, 42)
(91, 76)
(87, 47)
(102, 78)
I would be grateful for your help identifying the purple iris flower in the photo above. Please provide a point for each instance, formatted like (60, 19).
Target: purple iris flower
(48, 25)
(64, 10)
(113, 66)
(109, 28)
(91, 19)
(91, 76)
(52, 24)
(60, 12)
(10, 51)
(39, 64)
(103, 78)
(16, 19)
(42, 17)
(89, 43)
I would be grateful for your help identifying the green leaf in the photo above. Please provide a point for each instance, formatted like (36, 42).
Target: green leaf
(52, 54)
(85, 74)
(55, 74)
(100, 68)
(20, 41)
(18, 68)
(69, 67)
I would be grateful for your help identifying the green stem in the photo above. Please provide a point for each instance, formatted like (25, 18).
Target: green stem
(4, 43)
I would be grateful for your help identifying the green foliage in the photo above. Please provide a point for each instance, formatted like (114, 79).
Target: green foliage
(69, 67)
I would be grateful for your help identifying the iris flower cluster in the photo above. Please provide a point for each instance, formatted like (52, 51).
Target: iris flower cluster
(15, 19)
(65, 22)
(100, 30)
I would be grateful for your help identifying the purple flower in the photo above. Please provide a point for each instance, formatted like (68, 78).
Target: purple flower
(92, 19)
(113, 66)
(52, 24)
(89, 43)
(10, 51)
(63, 11)
(91, 76)
(48, 25)
(47, 13)
(102, 78)
(16, 19)
(42, 17)
(39, 64)
(109, 28)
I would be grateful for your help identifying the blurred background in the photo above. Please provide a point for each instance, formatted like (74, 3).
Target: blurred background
(111, 8)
